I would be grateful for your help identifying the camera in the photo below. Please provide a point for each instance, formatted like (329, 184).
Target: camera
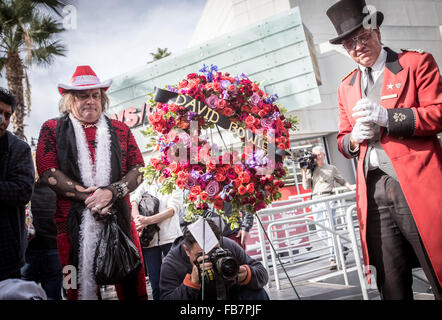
(224, 265)
(307, 160)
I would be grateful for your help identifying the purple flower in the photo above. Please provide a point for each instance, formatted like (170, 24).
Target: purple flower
(172, 89)
(254, 99)
(211, 101)
(191, 182)
(225, 84)
(191, 115)
(207, 176)
(267, 122)
(212, 188)
(196, 168)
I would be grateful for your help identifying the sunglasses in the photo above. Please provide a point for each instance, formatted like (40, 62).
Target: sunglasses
(363, 38)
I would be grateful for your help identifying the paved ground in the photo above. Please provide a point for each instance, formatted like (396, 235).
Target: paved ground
(320, 285)
(330, 285)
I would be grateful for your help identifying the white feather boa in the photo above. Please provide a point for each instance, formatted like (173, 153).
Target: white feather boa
(97, 174)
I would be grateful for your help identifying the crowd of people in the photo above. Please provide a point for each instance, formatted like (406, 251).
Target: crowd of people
(87, 173)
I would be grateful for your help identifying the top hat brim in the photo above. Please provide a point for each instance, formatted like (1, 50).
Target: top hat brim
(338, 39)
(63, 88)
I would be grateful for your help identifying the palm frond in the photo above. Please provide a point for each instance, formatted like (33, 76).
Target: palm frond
(52, 5)
(27, 92)
(45, 54)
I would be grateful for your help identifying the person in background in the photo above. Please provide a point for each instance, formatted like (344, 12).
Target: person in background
(92, 163)
(16, 183)
(42, 260)
(167, 220)
(390, 112)
(322, 181)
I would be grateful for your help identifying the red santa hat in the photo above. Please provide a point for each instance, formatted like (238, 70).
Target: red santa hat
(84, 78)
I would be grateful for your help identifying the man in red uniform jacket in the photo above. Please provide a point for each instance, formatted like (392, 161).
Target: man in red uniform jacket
(390, 111)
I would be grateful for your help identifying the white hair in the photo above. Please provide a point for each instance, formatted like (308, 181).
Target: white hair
(318, 148)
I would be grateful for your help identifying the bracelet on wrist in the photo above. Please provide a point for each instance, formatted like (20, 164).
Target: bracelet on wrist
(122, 189)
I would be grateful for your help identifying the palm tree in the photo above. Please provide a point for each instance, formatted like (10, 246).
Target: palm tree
(160, 54)
(27, 30)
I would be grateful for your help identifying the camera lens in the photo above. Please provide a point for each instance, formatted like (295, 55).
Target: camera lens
(228, 268)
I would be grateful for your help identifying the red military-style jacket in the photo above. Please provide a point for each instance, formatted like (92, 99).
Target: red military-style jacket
(412, 95)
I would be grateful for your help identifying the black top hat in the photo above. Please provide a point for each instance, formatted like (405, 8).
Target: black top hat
(349, 15)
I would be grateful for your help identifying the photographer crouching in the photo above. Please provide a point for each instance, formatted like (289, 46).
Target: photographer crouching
(320, 177)
(229, 273)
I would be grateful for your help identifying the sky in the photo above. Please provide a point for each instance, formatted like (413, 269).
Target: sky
(113, 37)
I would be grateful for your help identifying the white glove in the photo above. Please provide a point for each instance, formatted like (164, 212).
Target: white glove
(370, 112)
(362, 131)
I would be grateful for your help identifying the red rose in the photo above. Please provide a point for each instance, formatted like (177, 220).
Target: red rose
(262, 113)
(191, 75)
(250, 188)
(241, 99)
(204, 196)
(237, 168)
(242, 190)
(181, 183)
(173, 166)
(221, 170)
(183, 84)
(250, 120)
(245, 177)
(237, 183)
(228, 112)
(221, 104)
(218, 203)
(196, 190)
(220, 177)
(183, 175)
(192, 197)
(211, 165)
(154, 161)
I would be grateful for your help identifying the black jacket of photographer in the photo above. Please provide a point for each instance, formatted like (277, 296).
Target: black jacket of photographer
(177, 265)
(16, 183)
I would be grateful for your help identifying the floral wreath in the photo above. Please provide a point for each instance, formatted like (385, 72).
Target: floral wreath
(248, 177)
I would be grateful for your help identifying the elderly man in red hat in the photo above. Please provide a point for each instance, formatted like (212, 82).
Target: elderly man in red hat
(390, 111)
(92, 163)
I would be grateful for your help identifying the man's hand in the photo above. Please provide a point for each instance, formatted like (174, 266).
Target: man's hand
(362, 131)
(242, 274)
(244, 236)
(367, 111)
(194, 276)
(98, 200)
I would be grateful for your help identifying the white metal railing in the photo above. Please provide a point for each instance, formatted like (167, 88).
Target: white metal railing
(294, 221)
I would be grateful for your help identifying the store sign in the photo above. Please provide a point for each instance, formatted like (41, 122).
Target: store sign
(131, 116)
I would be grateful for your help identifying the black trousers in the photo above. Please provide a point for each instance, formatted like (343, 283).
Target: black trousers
(393, 241)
